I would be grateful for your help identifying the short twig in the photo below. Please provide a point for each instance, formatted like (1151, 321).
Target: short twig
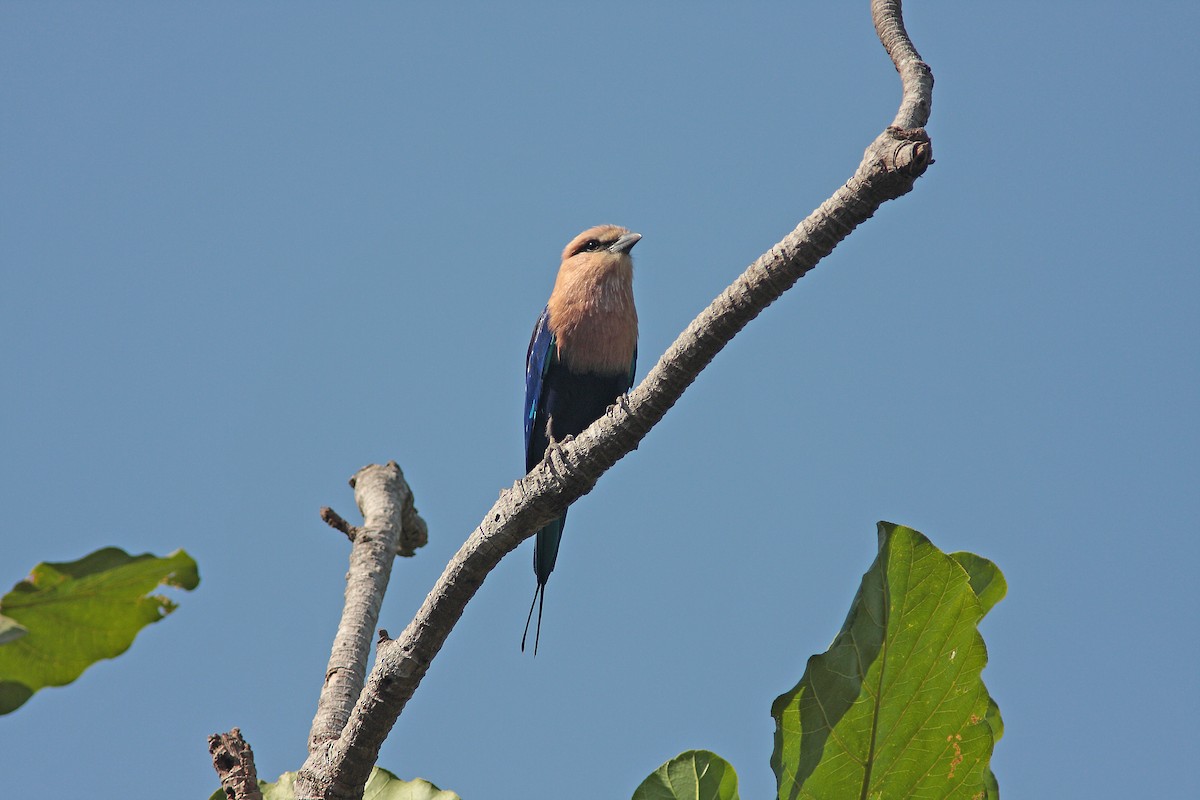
(335, 521)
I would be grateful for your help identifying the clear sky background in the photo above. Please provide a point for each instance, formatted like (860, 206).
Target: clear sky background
(247, 249)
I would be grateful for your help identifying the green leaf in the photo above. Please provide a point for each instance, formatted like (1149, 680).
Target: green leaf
(997, 726)
(79, 612)
(986, 579)
(382, 785)
(694, 775)
(896, 708)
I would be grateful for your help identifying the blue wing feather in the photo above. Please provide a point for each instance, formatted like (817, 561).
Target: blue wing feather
(537, 363)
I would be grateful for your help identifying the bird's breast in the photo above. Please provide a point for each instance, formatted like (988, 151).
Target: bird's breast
(596, 330)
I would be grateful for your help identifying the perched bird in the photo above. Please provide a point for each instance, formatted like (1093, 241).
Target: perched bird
(581, 359)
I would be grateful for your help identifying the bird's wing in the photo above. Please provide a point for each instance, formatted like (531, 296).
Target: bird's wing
(632, 369)
(537, 363)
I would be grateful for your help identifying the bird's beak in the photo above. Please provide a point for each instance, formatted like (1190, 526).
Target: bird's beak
(625, 243)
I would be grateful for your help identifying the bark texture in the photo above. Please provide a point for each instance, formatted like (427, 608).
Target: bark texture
(234, 762)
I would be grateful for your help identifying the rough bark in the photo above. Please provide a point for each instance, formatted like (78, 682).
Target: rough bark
(234, 762)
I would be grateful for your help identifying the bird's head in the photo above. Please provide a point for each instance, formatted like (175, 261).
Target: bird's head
(601, 251)
(591, 309)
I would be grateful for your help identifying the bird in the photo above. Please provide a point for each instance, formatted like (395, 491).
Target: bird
(581, 359)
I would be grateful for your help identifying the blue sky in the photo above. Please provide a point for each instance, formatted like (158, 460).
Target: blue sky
(245, 250)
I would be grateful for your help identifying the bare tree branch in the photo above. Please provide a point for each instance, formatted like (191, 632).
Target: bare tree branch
(234, 762)
(390, 527)
(890, 166)
(916, 78)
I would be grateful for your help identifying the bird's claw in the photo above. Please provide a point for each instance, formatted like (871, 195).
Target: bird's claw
(555, 448)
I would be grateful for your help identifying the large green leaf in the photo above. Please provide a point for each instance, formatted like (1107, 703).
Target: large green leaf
(694, 775)
(77, 613)
(896, 708)
(382, 785)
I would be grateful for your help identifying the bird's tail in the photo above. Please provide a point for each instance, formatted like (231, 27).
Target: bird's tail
(538, 593)
(545, 548)
(545, 553)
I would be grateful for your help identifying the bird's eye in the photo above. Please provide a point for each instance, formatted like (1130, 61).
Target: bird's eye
(591, 246)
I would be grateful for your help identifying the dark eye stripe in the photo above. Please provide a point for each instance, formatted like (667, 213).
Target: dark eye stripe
(592, 245)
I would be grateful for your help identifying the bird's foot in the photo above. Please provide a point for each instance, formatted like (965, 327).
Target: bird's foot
(555, 448)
